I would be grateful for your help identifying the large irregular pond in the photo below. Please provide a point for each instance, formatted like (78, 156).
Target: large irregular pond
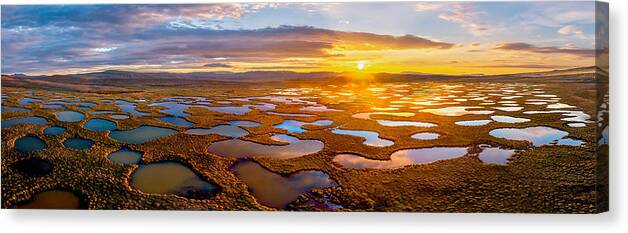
(224, 130)
(141, 134)
(171, 178)
(275, 190)
(295, 126)
(401, 158)
(538, 135)
(241, 149)
(177, 121)
(129, 107)
(405, 123)
(370, 138)
(458, 111)
(24, 120)
(13, 109)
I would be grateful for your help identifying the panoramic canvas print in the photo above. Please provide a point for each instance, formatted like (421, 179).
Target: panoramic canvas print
(348, 106)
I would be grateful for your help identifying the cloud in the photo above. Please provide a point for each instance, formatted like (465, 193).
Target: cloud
(429, 6)
(282, 67)
(522, 66)
(464, 14)
(53, 49)
(571, 30)
(217, 65)
(120, 17)
(520, 46)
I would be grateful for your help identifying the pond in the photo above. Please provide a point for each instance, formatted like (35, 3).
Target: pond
(495, 155)
(245, 123)
(275, 190)
(295, 126)
(367, 115)
(125, 156)
(77, 143)
(405, 123)
(98, 124)
(224, 130)
(141, 134)
(509, 119)
(371, 138)
(119, 116)
(473, 122)
(242, 149)
(458, 111)
(176, 121)
(171, 178)
(54, 199)
(129, 107)
(54, 131)
(290, 114)
(13, 109)
(401, 158)
(24, 120)
(537, 135)
(29, 144)
(70, 116)
(425, 136)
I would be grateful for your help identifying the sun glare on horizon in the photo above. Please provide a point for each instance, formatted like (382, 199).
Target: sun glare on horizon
(361, 65)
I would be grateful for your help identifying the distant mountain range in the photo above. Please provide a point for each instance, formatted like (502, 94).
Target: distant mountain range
(126, 81)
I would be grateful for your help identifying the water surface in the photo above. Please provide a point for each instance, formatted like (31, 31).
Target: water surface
(54, 199)
(24, 120)
(70, 116)
(401, 158)
(371, 138)
(294, 126)
(176, 121)
(537, 135)
(171, 178)
(473, 122)
(242, 149)
(77, 143)
(405, 123)
(54, 131)
(141, 134)
(495, 155)
(98, 124)
(509, 119)
(29, 144)
(125, 156)
(245, 123)
(224, 130)
(425, 136)
(277, 191)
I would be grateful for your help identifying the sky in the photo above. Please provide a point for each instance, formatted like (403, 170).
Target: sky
(372, 37)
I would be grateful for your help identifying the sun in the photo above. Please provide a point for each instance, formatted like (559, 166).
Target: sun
(361, 65)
